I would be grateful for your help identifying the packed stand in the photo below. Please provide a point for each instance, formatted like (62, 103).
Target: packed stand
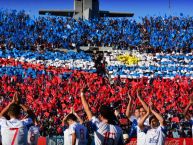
(51, 97)
(20, 30)
(52, 82)
(137, 64)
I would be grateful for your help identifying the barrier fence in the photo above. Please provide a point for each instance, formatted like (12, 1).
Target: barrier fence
(58, 140)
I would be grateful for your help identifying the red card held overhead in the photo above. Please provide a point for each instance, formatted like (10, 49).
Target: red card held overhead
(175, 119)
(47, 114)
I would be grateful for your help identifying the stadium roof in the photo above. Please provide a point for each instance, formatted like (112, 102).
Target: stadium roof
(86, 9)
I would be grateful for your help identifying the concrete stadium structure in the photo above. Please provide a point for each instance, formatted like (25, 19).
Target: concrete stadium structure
(85, 9)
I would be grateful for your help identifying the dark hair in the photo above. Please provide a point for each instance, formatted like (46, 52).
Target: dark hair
(151, 118)
(108, 113)
(14, 110)
(138, 107)
(71, 117)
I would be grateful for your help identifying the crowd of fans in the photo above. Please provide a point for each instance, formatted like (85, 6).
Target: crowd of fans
(150, 65)
(51, 97)
(50, 82)
(20, 30)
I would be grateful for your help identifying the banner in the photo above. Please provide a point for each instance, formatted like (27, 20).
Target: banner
(42, 141)
(169, 141)
(175, 141)
(133, 141)
(189, 141)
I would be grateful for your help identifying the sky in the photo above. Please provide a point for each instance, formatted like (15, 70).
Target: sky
(140, 8)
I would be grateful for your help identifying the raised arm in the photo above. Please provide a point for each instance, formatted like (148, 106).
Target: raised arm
(85, 105)
(14, 100)
(28, 111)
(145, 106)
(129, 111)
(64, 119)
(188, 106)
(78, 117)
(5, 110)
(142, 119)
(158, 116)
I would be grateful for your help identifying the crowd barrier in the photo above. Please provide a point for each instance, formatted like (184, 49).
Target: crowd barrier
(170, 141)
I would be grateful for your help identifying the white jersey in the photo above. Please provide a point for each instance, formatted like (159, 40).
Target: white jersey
(106, 134)
(81, 134)
(14, 131)
(146, 123)
(141, 134)
(0, 136)
(33, 135)
(156, 136)
(66, 137)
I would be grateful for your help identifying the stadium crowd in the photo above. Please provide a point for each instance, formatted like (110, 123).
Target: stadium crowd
(50, 83)
(151, 65)
(55, 96)
(19, 30)
(51, 98)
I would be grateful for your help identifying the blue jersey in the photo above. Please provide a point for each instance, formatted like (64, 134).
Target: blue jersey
(133, 130)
